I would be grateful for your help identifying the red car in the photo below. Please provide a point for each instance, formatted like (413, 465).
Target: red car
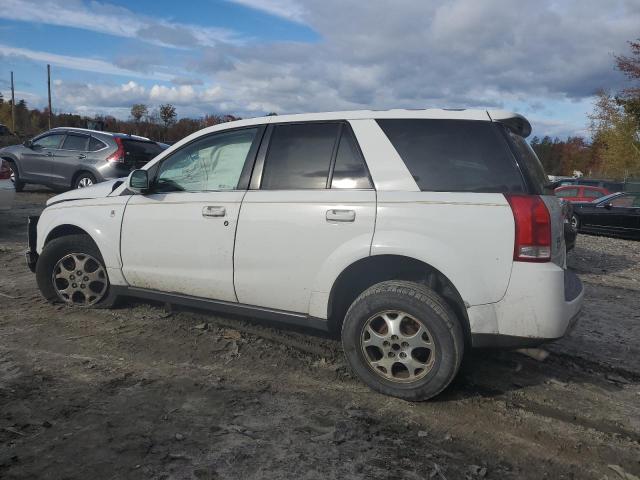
(580, 193)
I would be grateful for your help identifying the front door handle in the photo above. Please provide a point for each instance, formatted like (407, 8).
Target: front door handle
(82, 156)
(341, 215)
(49, 154)
(211, 211)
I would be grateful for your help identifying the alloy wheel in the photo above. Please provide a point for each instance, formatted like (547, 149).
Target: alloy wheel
(85, 182)
(397, 346)
(80, 279)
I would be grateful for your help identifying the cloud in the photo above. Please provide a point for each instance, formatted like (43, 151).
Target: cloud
(78, 63)
(288, 9)
(540, 57)
(115, 20)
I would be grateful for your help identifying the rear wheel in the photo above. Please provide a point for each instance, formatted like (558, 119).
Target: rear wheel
(402, 339)
(71, 270)
(84, 180)
(15, 177)
(575, 222)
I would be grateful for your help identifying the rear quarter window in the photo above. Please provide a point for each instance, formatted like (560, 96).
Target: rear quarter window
(455, 155)
(139, 152)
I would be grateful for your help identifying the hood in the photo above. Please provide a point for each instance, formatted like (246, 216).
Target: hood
(99, 190)
(13, 149)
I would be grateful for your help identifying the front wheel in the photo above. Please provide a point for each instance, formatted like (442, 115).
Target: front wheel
(71, 270)
(402, 339)
(15, 177)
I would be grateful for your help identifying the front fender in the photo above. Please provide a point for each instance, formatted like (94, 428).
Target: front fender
(101, 219)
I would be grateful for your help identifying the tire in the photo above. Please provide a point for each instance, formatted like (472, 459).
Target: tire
(422, 308)
(68, 255)
(85, 179)
(15, 176)
(575, 222)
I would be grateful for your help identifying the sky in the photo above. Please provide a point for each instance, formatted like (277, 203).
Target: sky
(545, 59)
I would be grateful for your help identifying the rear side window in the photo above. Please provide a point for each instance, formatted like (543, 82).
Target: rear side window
(569, 192)
(299, 156)
(454, 155)
(593, 193)
(75, 142)
(350, 170)
(139, 152)
(530, 162)
(95, 144)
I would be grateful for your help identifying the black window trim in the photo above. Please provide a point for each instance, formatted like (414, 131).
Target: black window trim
(528, 182)
(243, 182)
(74, 134)
(256, 176)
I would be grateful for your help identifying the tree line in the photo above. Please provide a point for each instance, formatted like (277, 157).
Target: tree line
(159, 124)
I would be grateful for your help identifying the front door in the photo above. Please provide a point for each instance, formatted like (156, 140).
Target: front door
(37, 161)
(179, 237)
(311, 206)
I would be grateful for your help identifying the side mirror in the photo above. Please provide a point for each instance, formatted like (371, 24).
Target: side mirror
(138, 181)
(608, 206)
(28, 143)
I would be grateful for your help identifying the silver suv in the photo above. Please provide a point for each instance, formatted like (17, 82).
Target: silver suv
(76, 157)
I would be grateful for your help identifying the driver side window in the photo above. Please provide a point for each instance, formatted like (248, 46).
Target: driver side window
(210, 164)
(48, 141)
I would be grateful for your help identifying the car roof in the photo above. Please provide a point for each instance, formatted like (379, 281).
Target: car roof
(514, 121)
(89, 131)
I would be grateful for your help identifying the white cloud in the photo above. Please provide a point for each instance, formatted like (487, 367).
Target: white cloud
(289, 9)
(78, 63)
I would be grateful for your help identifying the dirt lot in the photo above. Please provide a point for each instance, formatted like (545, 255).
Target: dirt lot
(144, 392)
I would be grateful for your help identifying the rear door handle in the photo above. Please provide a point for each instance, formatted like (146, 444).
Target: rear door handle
(82, 156)
(49, 154)
(341, 215)
(211, 211)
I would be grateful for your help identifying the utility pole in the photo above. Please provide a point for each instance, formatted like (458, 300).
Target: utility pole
(13, 107)
(49, 89)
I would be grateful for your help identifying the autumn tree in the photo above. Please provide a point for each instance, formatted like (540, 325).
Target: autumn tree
(167, 114)
(629, 98)
(138, 111)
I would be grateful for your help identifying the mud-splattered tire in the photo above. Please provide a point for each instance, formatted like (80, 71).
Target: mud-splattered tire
(402, 339)
(58, 271)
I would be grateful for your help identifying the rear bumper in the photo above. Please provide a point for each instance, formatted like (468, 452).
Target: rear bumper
(542, 303)
(31, 255)
(7, 193)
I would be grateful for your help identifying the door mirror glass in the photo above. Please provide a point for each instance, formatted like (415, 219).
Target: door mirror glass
(138, 181)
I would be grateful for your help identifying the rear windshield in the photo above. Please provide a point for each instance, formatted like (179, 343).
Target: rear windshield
(455, 155)
(139, 152)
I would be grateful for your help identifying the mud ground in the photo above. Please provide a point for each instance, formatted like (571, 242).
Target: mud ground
(148, 392)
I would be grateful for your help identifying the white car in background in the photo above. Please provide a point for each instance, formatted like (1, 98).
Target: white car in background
(417, 234)
(7, 189)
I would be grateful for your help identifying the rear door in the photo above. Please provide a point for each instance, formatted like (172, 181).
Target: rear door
(311, 208)
(37, 161)
(179, 237)
(68, 159)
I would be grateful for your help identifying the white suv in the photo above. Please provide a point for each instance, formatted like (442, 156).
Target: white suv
(417, 234)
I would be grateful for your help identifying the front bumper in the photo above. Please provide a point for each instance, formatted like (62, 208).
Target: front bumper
(542, 303)
(31, 255)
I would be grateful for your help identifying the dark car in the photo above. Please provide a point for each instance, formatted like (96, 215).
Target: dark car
(617, 214)
(76, 157)
(570, 231)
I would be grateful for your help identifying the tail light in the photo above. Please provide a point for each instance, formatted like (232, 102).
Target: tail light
(118, 155)
(5, 171)
(533, 228)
